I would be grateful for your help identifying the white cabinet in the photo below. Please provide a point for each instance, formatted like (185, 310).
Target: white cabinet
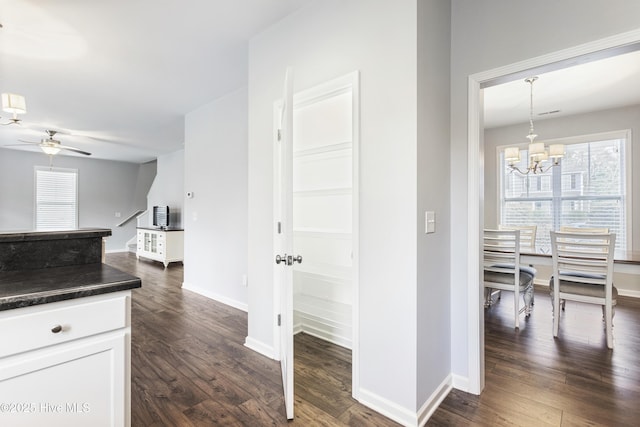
(165, 246)
(67, 363)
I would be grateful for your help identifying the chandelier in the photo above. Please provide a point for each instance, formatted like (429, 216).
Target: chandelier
(539, 155)
(14, 104)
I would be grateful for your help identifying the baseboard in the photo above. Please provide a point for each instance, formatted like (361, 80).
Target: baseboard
(436, 398)
(116, 251)
(387, 408)
(216, 297)
(460, 383)
(628, 293)
(260, 347)
(324, 335)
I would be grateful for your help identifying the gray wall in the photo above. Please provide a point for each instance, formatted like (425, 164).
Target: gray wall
(104, 188)
(216, 217)
(399, 265)
(494, 33)
(167, 189)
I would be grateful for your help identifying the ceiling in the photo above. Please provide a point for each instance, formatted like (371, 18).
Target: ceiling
(591, 86)
(117, 77)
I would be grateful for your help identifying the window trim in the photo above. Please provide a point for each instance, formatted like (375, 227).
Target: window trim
(625, 134)
(35, 192)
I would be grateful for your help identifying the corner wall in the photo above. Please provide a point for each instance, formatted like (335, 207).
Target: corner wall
(379, 39)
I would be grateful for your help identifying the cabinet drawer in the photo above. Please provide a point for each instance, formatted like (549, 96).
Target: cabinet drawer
(33, 328)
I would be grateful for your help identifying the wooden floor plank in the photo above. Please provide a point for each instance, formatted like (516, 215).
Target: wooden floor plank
(190, 366)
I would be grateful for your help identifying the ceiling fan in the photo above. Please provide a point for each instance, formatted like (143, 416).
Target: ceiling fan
(52, 146)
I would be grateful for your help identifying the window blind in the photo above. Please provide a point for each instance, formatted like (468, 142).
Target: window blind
(56, 199)
(588, 189)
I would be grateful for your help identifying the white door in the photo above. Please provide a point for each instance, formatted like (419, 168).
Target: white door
(284, 237)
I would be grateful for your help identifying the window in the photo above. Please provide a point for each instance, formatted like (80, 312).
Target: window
(56, 198)
(590, 188)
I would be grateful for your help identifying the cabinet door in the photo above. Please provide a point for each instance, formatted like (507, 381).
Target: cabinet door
(82, 383)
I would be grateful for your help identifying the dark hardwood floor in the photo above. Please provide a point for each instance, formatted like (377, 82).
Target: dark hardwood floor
(533, 379)
(190, 368)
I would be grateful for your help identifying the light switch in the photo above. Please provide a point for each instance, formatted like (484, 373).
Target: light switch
(429, 222)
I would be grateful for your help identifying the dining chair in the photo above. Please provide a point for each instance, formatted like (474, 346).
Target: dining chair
(583, 272)
(590, 230)
(527, 235)
(502, 270)
(587, 230)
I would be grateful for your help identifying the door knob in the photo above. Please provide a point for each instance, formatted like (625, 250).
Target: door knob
(282, 258)
(298, 259)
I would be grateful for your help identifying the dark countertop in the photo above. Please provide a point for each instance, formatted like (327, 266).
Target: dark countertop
(22, 288)
(80, 233)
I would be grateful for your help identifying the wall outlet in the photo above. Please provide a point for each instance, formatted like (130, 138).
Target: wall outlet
(245, 281)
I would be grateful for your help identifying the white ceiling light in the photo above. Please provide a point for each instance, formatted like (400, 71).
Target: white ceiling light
(14, 104)
(538, 153)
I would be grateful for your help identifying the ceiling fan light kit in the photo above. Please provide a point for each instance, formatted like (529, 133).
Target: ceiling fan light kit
(14, 104)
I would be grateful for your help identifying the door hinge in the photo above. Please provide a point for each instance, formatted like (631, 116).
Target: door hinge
(279, 320)
(279, 134)
(279, 227)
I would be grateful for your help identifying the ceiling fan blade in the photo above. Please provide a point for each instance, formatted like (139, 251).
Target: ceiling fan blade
(75, 150)
(26, 142)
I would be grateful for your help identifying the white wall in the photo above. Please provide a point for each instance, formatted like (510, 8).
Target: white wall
(491, 34)
(104, 188)
(215, 219)
(168, 188)
(379, 38)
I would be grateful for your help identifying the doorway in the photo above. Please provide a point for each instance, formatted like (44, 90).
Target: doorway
(324, 215)
(475, 152)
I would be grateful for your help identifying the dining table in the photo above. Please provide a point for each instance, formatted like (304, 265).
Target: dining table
(623, 261)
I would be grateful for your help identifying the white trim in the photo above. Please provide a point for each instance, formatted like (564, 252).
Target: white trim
(475, 319)
(598, 49)
(116, 251)
(460, 383)
(388, 408)
(429, 407)
(260, 347)
(216, 297)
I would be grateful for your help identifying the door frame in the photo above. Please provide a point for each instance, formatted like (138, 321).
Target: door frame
(350, 81)
(599, 49)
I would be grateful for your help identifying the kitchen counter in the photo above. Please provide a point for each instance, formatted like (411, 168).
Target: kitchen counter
(65, 319)
(22, 288)
(30, 250)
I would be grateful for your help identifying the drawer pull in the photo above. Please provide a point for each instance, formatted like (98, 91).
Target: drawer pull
(56, 329)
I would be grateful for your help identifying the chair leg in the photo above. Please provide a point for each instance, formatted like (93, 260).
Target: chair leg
(487, 297)
(608, 324)
(555, 302)
(528, 300)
